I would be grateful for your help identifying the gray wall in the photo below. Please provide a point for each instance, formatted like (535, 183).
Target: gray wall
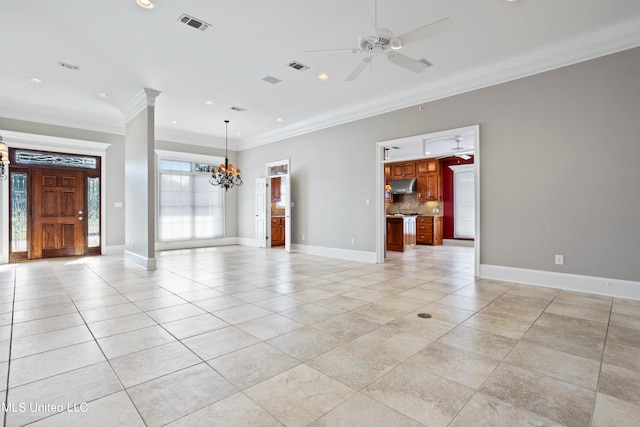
(558, 170)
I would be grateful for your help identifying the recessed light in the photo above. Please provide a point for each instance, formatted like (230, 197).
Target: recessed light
(279, 119)
(147, 4)
(35, 80)
(103, 95)
(174, 122)
(323, 76)
(208, 102)
(427, 152)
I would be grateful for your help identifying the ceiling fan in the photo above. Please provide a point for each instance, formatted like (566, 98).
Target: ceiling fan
(461, 151)
(384, 43)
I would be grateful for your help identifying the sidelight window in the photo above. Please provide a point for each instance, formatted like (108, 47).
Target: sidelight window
(18, 212)
(93, 212)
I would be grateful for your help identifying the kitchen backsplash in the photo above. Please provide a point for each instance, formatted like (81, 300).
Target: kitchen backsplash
(276, 211)
(408, 203)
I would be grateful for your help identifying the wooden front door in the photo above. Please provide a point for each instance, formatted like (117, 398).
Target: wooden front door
(57, 220)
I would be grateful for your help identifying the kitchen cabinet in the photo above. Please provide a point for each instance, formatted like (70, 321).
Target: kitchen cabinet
(401, 233)
(275, 189)
(429, 230)
(277, 231)
(403, 170)
(429, 180)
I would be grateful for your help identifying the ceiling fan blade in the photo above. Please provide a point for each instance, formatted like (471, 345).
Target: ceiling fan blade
(405, 62)
(429, 30)
(358, 70)
(352, 50)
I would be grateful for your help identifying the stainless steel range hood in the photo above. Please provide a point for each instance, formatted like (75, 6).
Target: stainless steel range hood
(403, 186)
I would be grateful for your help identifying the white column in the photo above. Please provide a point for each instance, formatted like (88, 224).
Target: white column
(139, 172)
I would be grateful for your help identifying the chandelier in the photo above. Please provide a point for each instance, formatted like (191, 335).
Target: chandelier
(225, 176)
(4, 159)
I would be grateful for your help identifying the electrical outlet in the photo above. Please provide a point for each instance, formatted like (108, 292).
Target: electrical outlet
(559, 259)
(353, 241)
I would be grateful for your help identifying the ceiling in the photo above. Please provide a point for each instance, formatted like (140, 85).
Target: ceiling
(121, 48)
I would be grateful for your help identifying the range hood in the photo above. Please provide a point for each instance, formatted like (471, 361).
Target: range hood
(403, 186)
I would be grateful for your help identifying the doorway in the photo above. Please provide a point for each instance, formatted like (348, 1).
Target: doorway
(273, 206)
(416, 148)
(54, 208)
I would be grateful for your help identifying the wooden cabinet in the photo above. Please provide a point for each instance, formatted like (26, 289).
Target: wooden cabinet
(403, 170)
(401, 233)
(277, 231)
(429, 181)
(275, 189)
(429, 230)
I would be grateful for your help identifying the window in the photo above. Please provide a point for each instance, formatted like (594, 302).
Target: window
(93, 212)
(464, 223)
(189, 207)
(18, 212)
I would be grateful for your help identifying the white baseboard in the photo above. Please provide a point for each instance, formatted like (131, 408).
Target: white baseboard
(194, 244)
(346, 254)
(146, 263)
(572, 282)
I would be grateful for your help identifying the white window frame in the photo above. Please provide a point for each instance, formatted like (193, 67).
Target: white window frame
(191, 158)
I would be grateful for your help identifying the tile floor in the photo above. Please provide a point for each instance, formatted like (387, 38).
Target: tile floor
(237, 336)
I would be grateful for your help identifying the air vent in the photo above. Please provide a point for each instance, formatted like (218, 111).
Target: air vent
(240, 109)
(68, 66)
(298, 66)
(193, 22)
(272, 80)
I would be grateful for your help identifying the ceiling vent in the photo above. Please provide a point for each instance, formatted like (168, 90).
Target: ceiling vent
(425, 62)
(240, 109)
(272, 80)
(69, 66)
(298, 66)
(193, 22)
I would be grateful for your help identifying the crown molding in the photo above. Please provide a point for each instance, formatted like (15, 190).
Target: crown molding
(604, 41)
(18, 113)
(145, 98)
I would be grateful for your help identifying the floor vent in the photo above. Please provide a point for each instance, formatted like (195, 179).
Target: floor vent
(193, 22)
(298, 66)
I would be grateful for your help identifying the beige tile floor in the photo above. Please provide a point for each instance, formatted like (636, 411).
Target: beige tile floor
(237, 336)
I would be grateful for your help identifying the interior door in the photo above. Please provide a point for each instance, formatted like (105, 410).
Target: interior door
(57, 221)
(261, 212)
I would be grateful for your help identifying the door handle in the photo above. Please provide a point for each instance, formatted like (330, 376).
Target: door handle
(80, 212)
(80, 218)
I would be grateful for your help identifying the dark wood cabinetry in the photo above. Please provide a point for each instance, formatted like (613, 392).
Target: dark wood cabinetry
(277, 231)
(429, 180)
(429, 230)
(275, 189)
(401, 233)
